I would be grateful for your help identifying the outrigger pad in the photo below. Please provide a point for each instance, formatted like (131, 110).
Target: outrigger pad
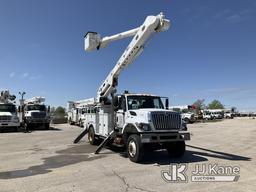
(105, 142)
(80, 136)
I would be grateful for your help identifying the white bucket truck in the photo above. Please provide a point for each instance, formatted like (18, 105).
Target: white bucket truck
(135, 121)
(8, 111)
(76, 111)
(34, 113)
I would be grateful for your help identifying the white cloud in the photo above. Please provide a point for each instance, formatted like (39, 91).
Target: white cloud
(35, 77)
(234, 18)
(221, 14)
(25, 75)
(12, 74)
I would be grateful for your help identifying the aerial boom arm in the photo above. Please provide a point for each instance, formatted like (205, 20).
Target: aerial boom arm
(151, 25)
(6, 97)
(34, 100)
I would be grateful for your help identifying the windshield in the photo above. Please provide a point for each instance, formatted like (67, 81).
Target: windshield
(7, 108)
(142, 102)
(36, 107)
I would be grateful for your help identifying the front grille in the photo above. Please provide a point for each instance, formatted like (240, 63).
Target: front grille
(38, 115)
(166, 120)
(5, 118)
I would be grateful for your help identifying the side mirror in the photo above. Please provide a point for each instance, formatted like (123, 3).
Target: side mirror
(48, 109)
(115, 102)
(166, 103)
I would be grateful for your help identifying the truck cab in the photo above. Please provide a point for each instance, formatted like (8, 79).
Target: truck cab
(147, 114)
(8, 116)
(36, 115)
(140, 120)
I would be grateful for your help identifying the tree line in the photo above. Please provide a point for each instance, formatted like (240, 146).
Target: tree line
(215, 104)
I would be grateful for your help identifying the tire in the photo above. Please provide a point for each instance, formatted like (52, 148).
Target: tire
(135, 148)
(187, 121)
(15, 129)
(80, 123)
(27, 127)
(70, 122)
(91, 136)
(176, 149)
(47, 126)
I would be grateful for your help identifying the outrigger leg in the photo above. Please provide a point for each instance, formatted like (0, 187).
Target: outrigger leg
(80, 136)
(105, 142)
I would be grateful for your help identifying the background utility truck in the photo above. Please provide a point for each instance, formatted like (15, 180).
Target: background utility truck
(187, 112)
(34, 113)
(76, 111)
(136, 121)
(8, 111)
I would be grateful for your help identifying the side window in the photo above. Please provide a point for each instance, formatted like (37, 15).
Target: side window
(156, 103)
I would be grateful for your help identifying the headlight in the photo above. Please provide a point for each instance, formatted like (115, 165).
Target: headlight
(16, 119)
(149, 116)
(28, 118)
(184, 126)
(143, 126)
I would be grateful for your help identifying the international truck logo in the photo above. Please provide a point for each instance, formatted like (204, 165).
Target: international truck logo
(201, 173)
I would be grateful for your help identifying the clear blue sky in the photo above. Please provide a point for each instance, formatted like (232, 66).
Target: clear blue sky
(208, 53)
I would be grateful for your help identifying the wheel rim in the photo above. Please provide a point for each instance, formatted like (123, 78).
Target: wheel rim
(132, 148)
(90, 136)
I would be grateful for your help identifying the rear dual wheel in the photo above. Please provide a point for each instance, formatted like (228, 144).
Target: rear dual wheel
(91, 136)
(70, 122)
(80, 123)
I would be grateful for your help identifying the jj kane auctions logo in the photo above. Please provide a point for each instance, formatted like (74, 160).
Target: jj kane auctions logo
(201, 173)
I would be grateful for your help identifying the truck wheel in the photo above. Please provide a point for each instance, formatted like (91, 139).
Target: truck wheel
(80, 123)
(27, 127)
(47, 126)
(186, 120)
(134, 148)
(176, 149)
(91, 136)
(69, 121)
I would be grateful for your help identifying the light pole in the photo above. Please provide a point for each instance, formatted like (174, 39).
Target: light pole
(22, 94)
(21, 108)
